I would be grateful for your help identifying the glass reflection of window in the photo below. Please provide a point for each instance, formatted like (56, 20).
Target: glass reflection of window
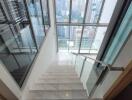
(36, 20)
(18, 44)
(100, 32)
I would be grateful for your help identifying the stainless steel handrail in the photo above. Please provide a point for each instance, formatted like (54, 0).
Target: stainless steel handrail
(111, 68)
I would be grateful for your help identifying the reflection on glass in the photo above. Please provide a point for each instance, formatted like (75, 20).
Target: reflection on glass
(45, 12)
(75, 36)
(107, 11)
(93, 10)
(17, 53)
(100, 32)
(36, 19)
(78, 9)
(62, 10)
(87, 39)
(18, 44)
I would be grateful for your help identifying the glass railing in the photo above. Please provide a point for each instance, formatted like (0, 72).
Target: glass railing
(89, 73)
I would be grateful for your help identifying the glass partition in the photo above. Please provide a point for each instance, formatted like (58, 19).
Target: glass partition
(79, 64)
(37, 21)
(22, 31)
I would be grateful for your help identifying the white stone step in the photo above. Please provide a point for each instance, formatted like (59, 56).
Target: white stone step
(59, 77)
(62, 71)
(55, 95)
(59, 74)
(59, 81)
(61, 68)
(56, 86)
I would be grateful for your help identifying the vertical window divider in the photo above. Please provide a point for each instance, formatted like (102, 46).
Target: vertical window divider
(70, 9)
(86, 6)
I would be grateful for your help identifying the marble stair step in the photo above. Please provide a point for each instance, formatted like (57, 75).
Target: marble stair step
(59, 74)
(62, 71)
(63, 86)
(59, 81)
(59, 77)
(59, 94)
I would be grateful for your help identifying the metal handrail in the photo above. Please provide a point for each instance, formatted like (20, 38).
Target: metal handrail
(111, 68)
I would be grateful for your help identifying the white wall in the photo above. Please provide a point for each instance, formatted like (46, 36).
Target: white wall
(122, 60)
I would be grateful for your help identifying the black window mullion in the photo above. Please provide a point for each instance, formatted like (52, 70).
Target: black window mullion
(70, 11)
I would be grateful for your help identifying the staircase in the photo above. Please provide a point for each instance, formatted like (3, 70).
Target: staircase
(60, 82)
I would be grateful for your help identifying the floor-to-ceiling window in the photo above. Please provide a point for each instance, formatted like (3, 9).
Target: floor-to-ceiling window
(82, 24)
(23, 27)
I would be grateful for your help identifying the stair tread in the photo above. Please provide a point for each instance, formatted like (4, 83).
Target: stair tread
(58, 87)
(61, 77)
(59, 94)
(58, 81)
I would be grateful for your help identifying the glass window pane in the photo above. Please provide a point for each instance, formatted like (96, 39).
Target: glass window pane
(107, 11)
(100, 32)
(62, 10)
(75, 35)
(36, 20)
(63, 37)
(45, 10)
(93, 10)
(87, 39)
(78, 9)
